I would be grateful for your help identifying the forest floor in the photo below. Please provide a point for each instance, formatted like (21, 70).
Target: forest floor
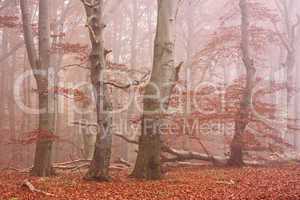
(280, 183)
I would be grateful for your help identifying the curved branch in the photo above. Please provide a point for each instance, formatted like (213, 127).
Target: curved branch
(127, 139)
(80, 65)
(133, 83)
(89, 4)
(180, 155)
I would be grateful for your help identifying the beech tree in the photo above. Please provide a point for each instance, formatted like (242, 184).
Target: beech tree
(163, 77)
(288, 36)
(99, 168)
(218, 111)
(40, 62)
(242, 118)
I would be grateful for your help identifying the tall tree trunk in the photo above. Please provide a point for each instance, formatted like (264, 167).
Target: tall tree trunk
(242, 118)
(190, 22)
(58, 22)
(88, 138)
(288, 9)
(99, 168)
(42, 161)
(11, 105)
(297, 98)
(3, 82)
(163, 77)
(132, 110)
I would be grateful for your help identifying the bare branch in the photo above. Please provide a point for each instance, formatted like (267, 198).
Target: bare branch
(124, 162)
(73, 162)
(90, 4)
(133, 83)
(294, 29)
(127, 139)
(231, 182)
(279, 7)
(281, 37)
(180, 155)
(17, 170)
(80, 65)
(85, 124)
(29, 185)
(205, 149)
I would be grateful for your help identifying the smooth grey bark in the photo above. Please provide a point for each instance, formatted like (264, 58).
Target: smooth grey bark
(242, 118)
(3, 71)
(99, 168)
(164, 75)
(11, 104)
(40, 60)
(43, 156)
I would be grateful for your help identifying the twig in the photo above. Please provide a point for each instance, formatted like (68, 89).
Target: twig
(27, 184)
(205, 149)
(17, 170)
(85, 124)
(126, 139)
(124, 162)
(72, 162)
(231, 182)
(133, 83)
(75, 65)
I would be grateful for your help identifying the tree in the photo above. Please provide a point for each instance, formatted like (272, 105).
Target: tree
(99, 168)
(242, 118)
(40, 64)
(163, 77)
(288, 41)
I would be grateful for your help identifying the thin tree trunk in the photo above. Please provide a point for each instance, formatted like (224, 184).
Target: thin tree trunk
(164, 74)
(11, 105)
(287, 9)
(297, 98)
(56, 60)
(42, 162)
(131, 112)
(242, 118)
(188, 67)
(3, 76)
(99, 168)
